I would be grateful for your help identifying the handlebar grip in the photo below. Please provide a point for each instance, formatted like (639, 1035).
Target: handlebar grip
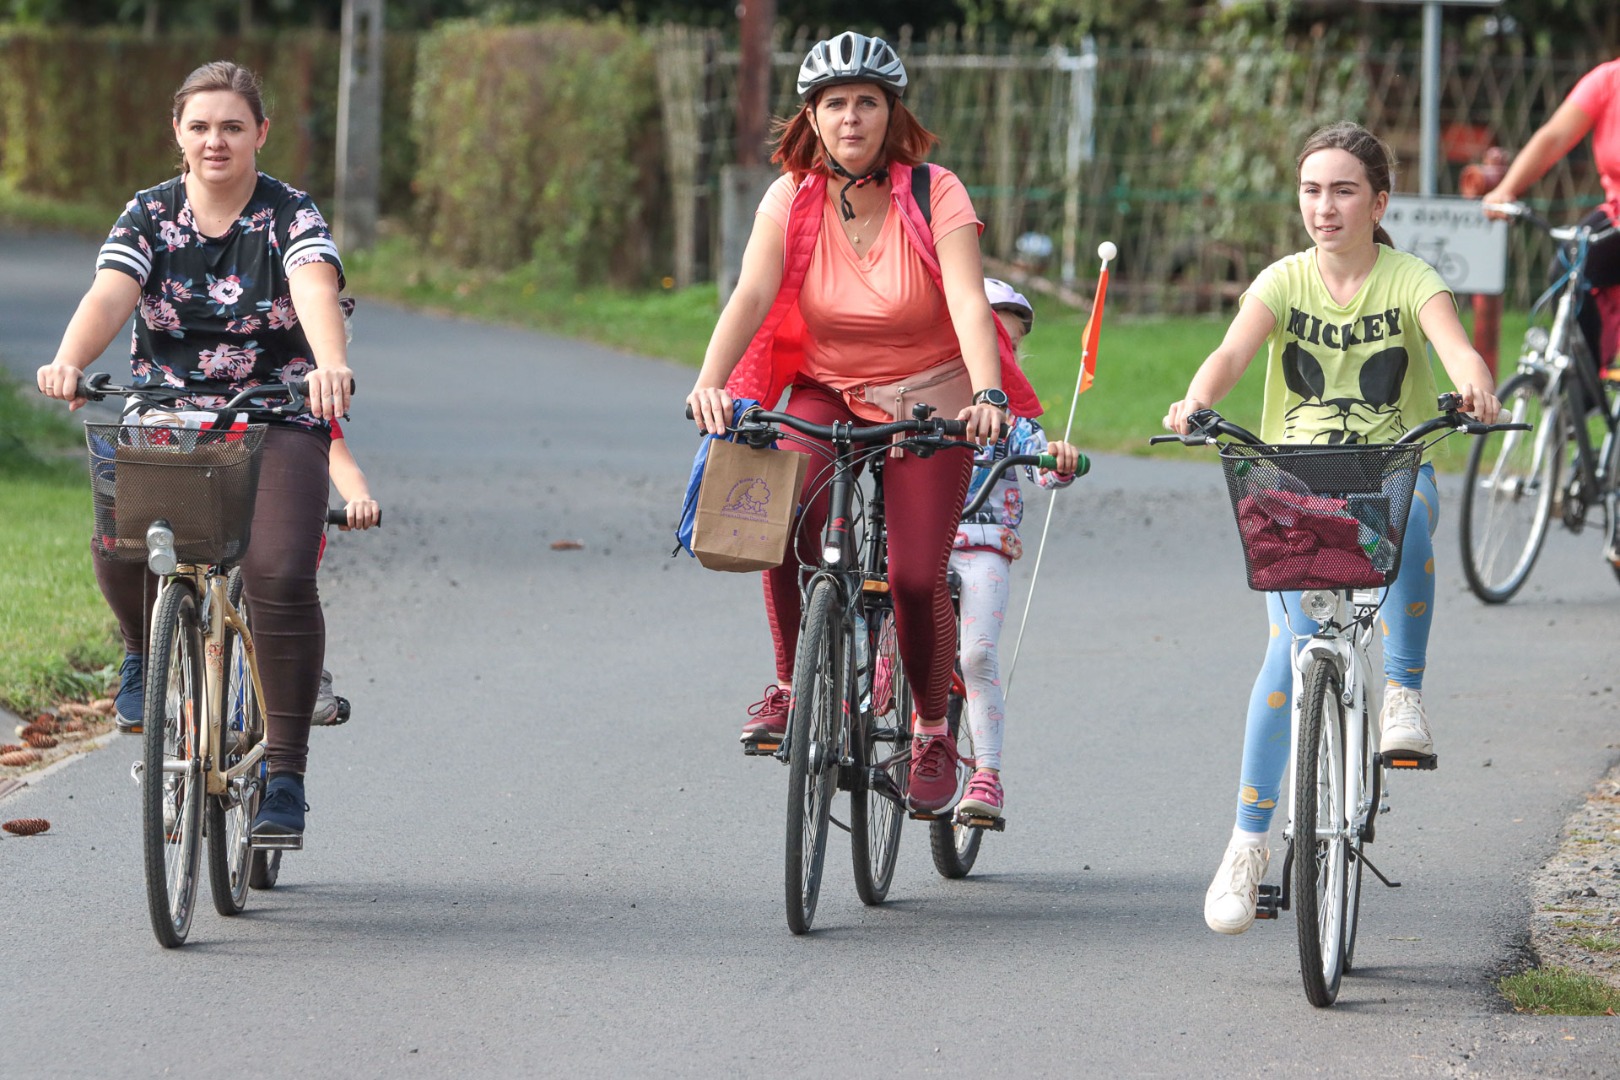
(339, 515)
(1155, 440)
(1082, 466)
(957, 429)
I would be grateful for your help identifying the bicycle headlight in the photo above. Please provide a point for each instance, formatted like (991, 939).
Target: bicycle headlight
(832, 554)
(1535, 339)
(160, 558)
(1318, 604)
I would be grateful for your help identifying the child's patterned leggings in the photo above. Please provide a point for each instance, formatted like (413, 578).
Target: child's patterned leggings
(1405, 617)
(985, 588)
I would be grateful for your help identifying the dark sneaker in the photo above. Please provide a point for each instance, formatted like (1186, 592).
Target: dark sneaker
(933, 773)
(130, 704)
(280, 823)
(767, 717)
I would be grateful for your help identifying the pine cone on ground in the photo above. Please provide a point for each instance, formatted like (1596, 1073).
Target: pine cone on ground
(19, 757)
(38, 740)
(28, 826)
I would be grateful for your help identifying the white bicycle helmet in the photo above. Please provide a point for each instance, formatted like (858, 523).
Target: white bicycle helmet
(851, 57)
(1003, 297)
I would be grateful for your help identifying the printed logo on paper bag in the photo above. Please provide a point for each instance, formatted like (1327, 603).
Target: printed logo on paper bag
(749, 498)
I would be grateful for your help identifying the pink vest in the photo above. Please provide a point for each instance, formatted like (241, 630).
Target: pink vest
(776, 354)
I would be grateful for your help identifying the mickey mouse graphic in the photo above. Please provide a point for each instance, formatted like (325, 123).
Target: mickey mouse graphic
(1380, 379)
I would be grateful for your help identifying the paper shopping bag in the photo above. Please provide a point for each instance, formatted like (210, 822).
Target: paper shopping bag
(746, 506)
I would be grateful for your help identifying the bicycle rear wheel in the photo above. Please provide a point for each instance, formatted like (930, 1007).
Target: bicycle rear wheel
(1352, 902)
(230, 815)
(883, 734)
(172, 785)
(1508, 491)
(956, 847)
(1321, 834)
(819, 685)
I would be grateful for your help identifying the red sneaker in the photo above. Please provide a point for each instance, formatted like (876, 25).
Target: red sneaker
(933, 773)
(767, 717)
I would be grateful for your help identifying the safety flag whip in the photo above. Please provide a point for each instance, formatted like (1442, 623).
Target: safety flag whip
(1106, 251)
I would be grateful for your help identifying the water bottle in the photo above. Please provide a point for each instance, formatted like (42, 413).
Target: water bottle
(863, 646)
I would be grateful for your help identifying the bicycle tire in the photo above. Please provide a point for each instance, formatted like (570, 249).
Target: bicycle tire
(174, 704)
(884, 732)
(819, 687)
(1352, 904)
(1321, 864)
(1501, 535)
(265, 869)
(230, 815)
(955, 847)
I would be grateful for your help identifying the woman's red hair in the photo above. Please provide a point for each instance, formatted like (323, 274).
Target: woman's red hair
(799, 150)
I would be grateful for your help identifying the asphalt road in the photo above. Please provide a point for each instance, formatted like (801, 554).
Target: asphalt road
(536, 849)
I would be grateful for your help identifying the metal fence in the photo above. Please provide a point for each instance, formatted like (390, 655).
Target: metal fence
(1183, 157)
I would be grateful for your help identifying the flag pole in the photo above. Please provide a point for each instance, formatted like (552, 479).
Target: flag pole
(1106, 251)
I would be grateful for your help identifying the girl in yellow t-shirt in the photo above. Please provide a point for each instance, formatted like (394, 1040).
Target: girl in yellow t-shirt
(1346, 326)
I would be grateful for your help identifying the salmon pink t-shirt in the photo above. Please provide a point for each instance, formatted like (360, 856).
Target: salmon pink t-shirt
(1598, 95)
(877, 317)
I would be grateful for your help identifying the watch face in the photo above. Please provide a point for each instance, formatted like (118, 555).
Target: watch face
(998, 398)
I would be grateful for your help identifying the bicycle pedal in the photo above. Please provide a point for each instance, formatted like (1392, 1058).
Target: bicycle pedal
(980, 821)
(760, 748)
(1400, 759)
(1269, 902)
(923, 815)
(277, 842)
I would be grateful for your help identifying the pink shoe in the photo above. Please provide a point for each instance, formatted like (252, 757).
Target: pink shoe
(933, 773)
(983, 797)
(768, 717)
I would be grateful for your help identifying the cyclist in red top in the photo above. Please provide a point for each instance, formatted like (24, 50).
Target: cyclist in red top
(849, 286)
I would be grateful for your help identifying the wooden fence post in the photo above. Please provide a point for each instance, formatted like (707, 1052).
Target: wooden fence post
(359, 129)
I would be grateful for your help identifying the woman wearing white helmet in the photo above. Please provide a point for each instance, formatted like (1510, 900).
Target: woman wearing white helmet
(982, 556)
(847, 289)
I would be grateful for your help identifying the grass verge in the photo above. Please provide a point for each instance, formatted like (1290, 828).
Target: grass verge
(57, 640)
(1560, 991)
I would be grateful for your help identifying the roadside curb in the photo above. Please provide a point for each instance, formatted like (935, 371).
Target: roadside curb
(1575, 895)
(11, 785)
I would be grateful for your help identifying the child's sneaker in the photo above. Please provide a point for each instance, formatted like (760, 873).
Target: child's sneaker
(1404, 723)
(983, 797)
(933, 773)
(767, 717)
(1233, 895)
(328, 706)
(130, 705)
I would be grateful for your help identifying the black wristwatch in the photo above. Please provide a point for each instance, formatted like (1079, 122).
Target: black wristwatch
(993, 396)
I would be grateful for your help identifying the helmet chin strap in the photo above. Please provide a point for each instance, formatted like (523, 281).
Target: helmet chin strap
(877, 175)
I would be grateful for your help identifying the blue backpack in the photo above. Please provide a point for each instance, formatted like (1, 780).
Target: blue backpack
(683, 531)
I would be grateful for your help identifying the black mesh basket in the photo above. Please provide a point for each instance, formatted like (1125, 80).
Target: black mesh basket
(1321, 517)
(202, 483)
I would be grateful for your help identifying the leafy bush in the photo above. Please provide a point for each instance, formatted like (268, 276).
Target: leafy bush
(540, 143)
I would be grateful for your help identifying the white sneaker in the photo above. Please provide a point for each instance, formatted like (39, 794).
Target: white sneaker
(1404, 723)
(1229, 904)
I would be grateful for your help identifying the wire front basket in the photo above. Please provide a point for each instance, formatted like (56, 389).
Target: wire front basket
(202, 483)
(1321, 517)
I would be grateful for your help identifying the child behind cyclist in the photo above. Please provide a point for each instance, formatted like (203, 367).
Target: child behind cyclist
(982, 556)
(1345, 326)
(364, 512)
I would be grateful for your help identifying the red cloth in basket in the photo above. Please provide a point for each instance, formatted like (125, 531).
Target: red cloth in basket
(1296, 541)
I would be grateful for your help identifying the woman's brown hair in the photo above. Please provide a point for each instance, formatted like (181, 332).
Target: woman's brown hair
(799, 150)
(1366, 148)
(222, 75)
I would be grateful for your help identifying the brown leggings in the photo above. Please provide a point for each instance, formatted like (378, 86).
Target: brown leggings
(284, 605)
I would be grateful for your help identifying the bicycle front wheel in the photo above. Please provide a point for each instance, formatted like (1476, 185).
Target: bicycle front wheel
(956, 847)
(1508, 490)
(883, 736)
(1321, 833)
(230, 815)
(814, 725)
(1363, 768)
(172, 784)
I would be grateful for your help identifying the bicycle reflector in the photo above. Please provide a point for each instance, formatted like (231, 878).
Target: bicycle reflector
(1535, 339)
(160, 557)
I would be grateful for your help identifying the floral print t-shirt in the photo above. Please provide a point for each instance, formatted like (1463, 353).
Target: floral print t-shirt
(215, 312)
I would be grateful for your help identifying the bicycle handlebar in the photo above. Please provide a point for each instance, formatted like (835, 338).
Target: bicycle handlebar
(99, 386)
(994, 472)
(1206, 424)
(339, 515)
(937, 428)
(1566, 234)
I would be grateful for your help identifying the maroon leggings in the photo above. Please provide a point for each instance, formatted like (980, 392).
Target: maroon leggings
(923, 503)
(278, 572)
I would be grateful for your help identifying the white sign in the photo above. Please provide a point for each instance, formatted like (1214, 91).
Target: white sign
(1452, 235)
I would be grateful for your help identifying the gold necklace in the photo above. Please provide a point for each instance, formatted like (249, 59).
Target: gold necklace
(856, 238)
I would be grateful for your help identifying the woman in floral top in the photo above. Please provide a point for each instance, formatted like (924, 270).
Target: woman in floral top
(235, 280)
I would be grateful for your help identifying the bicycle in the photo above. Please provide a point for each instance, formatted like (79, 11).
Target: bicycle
(1512, 486)
(1357, 498)
(181, 500)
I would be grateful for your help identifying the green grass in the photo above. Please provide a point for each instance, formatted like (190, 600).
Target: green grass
(1560, 992)
(1597, 943)
(56, 634)
(90, 219)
